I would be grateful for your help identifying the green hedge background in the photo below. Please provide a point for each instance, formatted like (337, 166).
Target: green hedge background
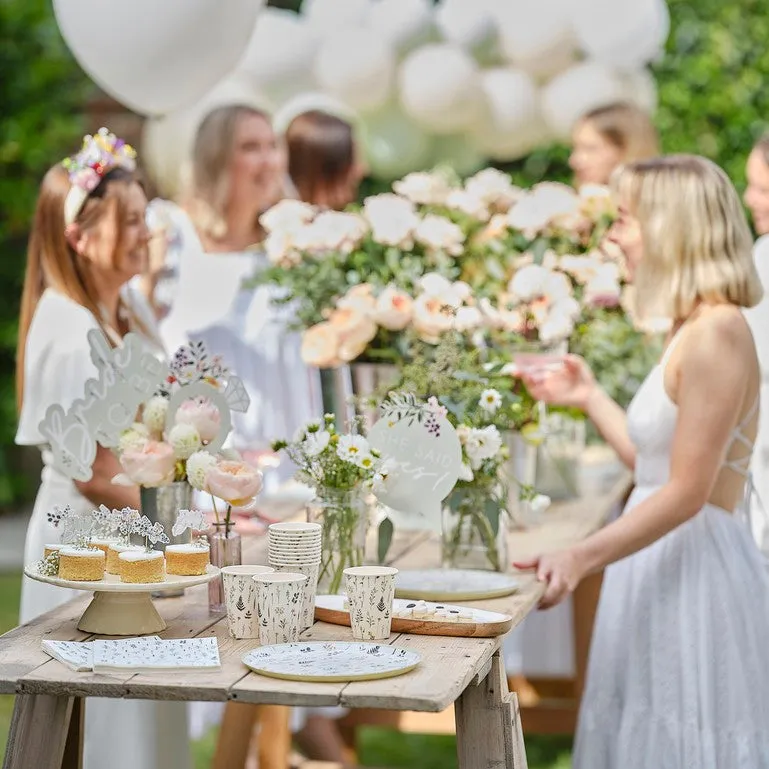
(713, 101)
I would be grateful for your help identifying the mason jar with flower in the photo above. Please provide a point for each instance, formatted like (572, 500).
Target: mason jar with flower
(343, 469)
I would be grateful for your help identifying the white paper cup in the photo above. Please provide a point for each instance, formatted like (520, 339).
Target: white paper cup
(274, 560)
(279, 601)
(240, 599)
(311, 571)
(370, 591)
(292, 527)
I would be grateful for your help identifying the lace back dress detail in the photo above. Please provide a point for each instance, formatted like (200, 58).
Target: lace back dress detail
(679, 664)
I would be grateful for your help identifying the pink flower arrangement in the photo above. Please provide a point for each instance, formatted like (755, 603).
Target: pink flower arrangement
(237, 483)
(201, 414)
(151, 465)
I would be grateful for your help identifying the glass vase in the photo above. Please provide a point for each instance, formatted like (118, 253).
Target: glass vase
(344, 516)
(225, 546)
(474, 529)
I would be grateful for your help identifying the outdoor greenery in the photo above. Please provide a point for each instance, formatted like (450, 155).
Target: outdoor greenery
(712, 101)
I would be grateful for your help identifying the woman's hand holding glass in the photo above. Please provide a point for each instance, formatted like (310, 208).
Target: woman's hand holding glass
(570, 384)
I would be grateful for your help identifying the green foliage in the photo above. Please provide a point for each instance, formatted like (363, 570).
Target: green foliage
(43, 95)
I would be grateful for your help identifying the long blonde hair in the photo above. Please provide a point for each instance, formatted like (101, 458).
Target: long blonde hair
(626, 127)
(211, 155)
(696, 240)
(53, 263)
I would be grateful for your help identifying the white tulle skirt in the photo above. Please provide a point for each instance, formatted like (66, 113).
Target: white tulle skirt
(679, 664)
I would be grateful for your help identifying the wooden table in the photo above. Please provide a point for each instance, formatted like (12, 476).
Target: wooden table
(468, 673)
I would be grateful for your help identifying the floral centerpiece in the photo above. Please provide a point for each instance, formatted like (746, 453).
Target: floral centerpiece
(343, 469)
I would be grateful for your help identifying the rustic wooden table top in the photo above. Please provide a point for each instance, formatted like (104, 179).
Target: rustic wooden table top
(448, 665)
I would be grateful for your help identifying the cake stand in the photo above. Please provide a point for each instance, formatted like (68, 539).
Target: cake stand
(123, 608)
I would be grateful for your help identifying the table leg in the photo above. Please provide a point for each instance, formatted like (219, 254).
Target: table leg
(36, 716)
(489, 732)
(235, 736)
(73, 750)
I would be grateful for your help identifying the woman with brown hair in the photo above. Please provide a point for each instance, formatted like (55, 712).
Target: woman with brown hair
(89, 237)
(607, 137)
(323, 160)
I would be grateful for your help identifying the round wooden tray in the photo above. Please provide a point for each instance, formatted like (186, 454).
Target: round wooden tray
(123, 608)
(486, 624)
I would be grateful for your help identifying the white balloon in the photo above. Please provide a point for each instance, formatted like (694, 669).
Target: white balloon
(154, 57)
(622, 34)
(515, 125)
(641, 89)
(536, 36)
(403, 23)
(470, 25)
(311, 100)
(459, 152)
(166, 148)
(580, 89)
(356, 65)
(440, 88)
(326, 16)
(394, 144)
(280, 53)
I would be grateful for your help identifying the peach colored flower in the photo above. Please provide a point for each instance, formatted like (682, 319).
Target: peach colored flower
(360, 298)
(235, 482)
(202, 415)
(432, 318)
(320, 345)
(152, 465)
(355, 330)
(393, 309)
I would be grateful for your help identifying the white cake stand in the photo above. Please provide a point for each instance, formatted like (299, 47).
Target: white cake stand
(123, 608)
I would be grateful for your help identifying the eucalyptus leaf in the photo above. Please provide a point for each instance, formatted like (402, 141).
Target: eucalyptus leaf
(385, 538)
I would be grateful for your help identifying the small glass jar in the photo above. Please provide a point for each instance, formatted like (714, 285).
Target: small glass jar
(225, 544)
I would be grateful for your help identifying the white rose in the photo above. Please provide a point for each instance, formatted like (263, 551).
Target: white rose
(466, 472)
(392, 218)
(604, 288)
(423, 187)
(546, 203)
(434, 284)
(198, 465)
(540, 503)
(432, 318)
(440, 234)
(184, 440)
(556, 328)
(581, 268)
(287, 215)
(596, 200)
(468, 203)
(279, 247)
(154, 413)
(393, 309)
(494, 188)
(468, 319)
(359, 298)
(332, 231)
(558, 287)
(134, 438)
(530, 282)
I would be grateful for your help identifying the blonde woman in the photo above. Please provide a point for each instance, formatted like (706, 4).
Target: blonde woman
(607, 137)
(679, 668)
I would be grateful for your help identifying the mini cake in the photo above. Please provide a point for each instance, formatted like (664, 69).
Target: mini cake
(81, 564)
(187, 560)
(104, 544)
(48, 549)
(142, 566)
(113, 563)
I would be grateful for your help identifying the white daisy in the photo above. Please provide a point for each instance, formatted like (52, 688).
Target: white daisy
(490, 401)
(352, 447)
(316, 443)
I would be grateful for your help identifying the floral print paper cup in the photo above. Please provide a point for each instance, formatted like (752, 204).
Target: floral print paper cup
(279, 602)
(240, 598)
(370, 591)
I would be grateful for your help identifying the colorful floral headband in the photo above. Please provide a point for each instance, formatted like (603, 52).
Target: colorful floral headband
(97, 157)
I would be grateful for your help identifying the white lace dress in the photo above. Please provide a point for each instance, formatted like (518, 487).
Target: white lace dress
(679, 664)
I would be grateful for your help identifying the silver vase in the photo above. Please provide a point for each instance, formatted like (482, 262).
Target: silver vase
(352, 387)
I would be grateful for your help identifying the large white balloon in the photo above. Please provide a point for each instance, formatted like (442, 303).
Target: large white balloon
(326, 16)
(515, 125)
(621, 34)
(395, 145)
(536, 36)
(641, 89)
(280, 53)
(440, 88)
(577, 91)
(403, 23)
(458, 152)
(468, 24)
(166, 147)
(311, 100)
(156, 56)
(357, 65)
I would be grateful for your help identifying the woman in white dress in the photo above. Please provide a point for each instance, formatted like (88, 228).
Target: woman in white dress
(757, 200)
(679, 665)
(88, 238)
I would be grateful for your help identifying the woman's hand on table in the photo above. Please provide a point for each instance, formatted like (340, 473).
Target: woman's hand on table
(561, 572)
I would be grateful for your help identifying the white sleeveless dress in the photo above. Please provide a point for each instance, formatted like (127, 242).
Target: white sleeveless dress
(679, 664)
(152, 735)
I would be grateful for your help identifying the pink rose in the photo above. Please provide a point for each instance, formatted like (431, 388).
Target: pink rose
(235, 482)
(152, 465)
(202, 415)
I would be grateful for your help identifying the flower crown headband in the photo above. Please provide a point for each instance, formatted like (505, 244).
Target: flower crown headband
(97, 157)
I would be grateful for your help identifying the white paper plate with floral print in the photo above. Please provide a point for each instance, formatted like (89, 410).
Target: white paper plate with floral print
(331, 661)
(454, 584)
